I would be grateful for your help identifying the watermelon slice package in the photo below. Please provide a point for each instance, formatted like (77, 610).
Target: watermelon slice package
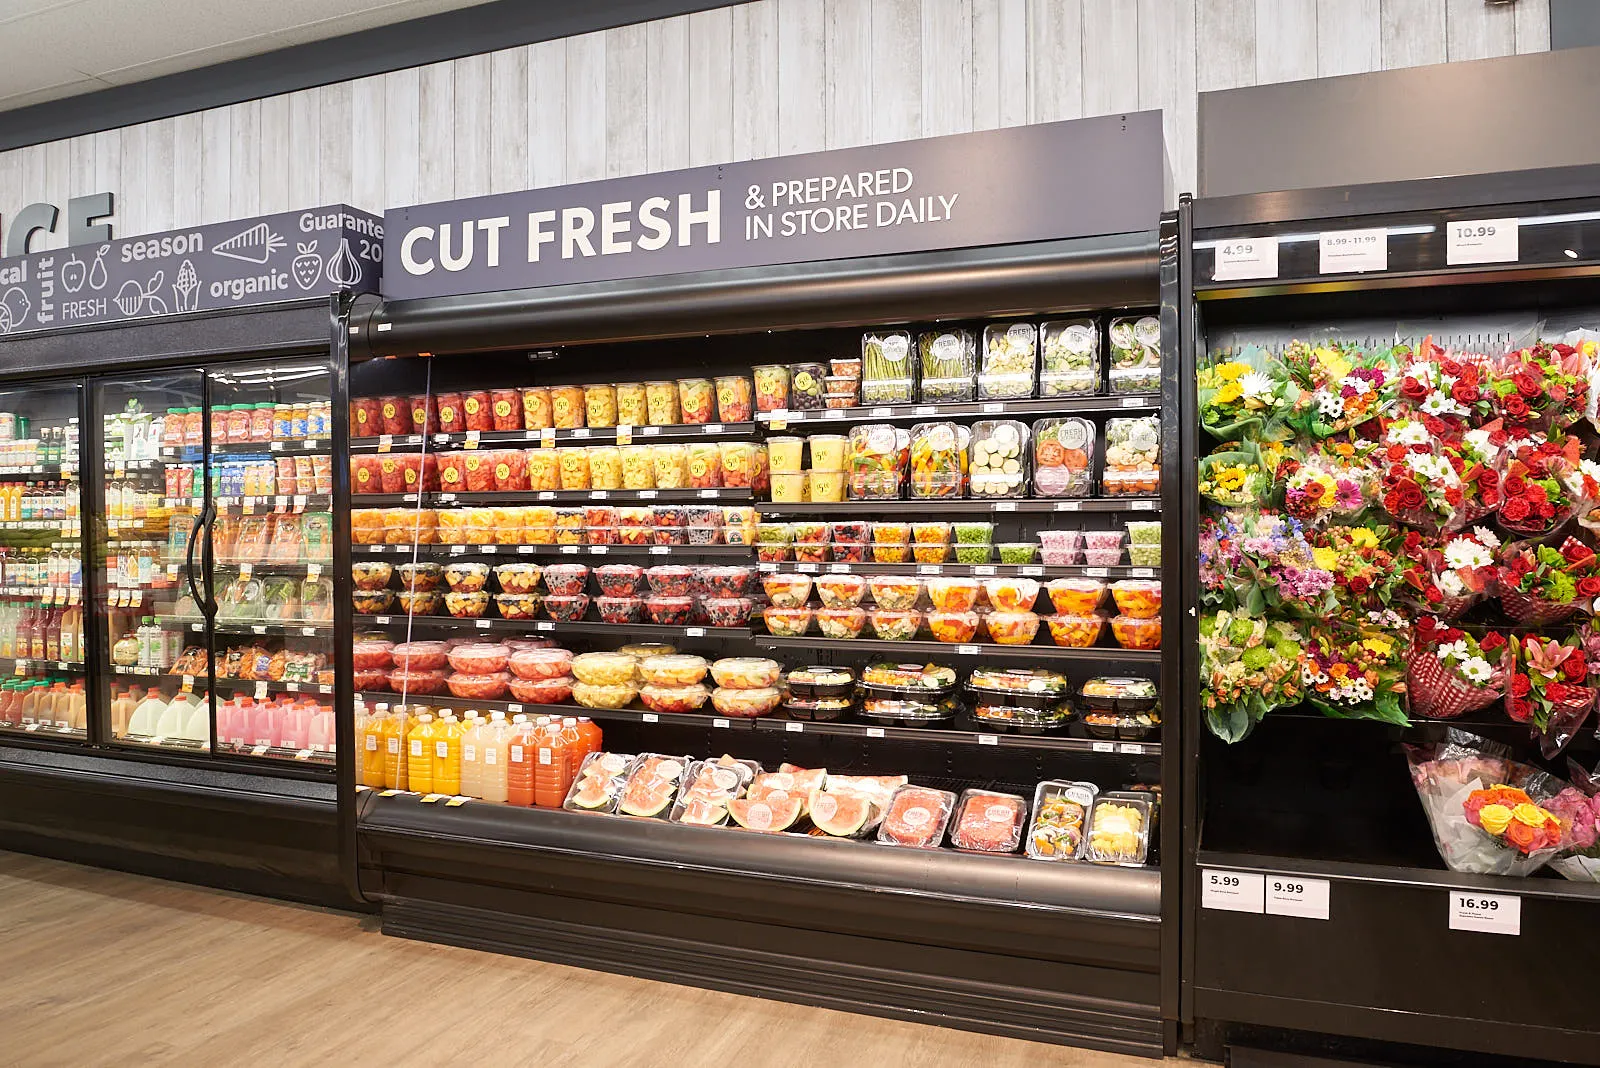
(599, 782)
(652, 785)
(707, 788)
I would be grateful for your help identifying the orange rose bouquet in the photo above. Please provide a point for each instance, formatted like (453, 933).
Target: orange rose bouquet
(1488, 812)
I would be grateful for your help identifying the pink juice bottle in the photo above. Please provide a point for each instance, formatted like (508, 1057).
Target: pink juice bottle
(321, 737)
(266, 720)
(295, 726)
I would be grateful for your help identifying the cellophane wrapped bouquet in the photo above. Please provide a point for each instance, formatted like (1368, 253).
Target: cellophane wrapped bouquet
(1338, 385)
(1550, 689)
(1544, 386)
(1248, 667)
(1541, 584)
(1358, 672)
(1578, 805)
(1487, 811)
(1444, 386)
(1447, 576)
(1451, 672)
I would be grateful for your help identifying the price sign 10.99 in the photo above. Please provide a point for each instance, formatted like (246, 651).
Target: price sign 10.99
(1481, 241)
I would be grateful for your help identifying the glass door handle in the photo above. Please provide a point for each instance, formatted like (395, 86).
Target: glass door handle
(201, 520)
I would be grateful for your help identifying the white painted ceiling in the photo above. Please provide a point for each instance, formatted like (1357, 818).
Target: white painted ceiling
(59, 48)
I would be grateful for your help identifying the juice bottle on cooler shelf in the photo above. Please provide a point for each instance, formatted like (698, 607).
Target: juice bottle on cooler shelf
(590, 739)
(472, 763)
(60, 705)
(266, 720)
(447, 756)
(419, 754)
(122, 705)
(320, 738)
(30, 703)
(494, 740)
(395, 764)
(369, 734)
(550, 771)
(520, 757)
(294, 729)
(7, 690)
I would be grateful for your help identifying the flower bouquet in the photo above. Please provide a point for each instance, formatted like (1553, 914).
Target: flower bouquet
(1233, 474)
(1578, 806)
(1477, 462)
(1444, 386)
(1447, 577)
(1314, 490)
(1540, 585)
(1419, 487)
(1544, 486)
(1450, 672)
(1248, 667)
(1240, 394)
(1357, 672)
(1366, 572)
(1543, 385)
(1549, 691)
(1340, 386)
(1257, 561)
(1484, 808)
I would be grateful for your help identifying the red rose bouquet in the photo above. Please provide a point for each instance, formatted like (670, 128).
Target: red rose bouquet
(1451, 672)
(1477, 462)
(1543, 385)
(1543, 486)
(1540, 585)
(1549, 689)
(1448, 388)
(1451, 575)
(1486, 811)
(1418, 486)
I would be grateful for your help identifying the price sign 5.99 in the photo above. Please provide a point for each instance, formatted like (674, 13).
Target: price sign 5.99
(1231, 891)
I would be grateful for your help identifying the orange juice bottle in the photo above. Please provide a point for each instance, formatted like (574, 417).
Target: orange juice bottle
(447, 756)
(550, 775)
(372, 746)
(395, 763)
(419, 754)
(572, 739)
(520, 757)
(589, 733)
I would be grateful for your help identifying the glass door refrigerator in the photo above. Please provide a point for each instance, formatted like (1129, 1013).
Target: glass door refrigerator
(216, 542)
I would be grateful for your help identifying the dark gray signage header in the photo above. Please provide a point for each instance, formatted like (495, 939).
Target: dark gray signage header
(1076, 178)
(224, 265)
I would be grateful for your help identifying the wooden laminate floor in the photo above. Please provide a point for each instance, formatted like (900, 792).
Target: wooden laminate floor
(104, 968)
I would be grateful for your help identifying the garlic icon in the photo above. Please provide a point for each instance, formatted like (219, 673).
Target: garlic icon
(343, 270)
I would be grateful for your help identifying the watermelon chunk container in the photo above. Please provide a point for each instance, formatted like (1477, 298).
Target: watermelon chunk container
(599, 782)
(706, 788)
(989, 822)
(843, 814)
(652, 786)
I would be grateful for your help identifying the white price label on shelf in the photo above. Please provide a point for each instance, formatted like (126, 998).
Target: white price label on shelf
(1067, 506)
(571, 550)
(1131, 747)
(1232, 891)
(547, 495)
(874, 732)
(544, 625)
(1488, 913)
(1245, 257)
(580, 432)
(882, 412)
(261, 690)
(837, 569)
(649, 717)
(472, 440)
(385, 442)
(648, 495)
(765, 565)
(833, 413)
(809, 569)
(983, 569)
(490, 549)
(258, 629)
(710, 494)
(794, 728)
(969, 650)
(1135, 402)
(988, 739)
(694, 632)
(1103, 747)
(994, 407)
(719, 722)
(308, 632)
(513, 707)
(1005, 506)
(650, 431)
(599, 550)
(663, 550)
(525, 550)
(1143, 506)
(624, 433)
(712, 428)
(930, 569)
(1481, 241)
(1352, 251)
(1294, 895)
(1096, 572)
(482, 624)
(599, 495)
(925, 409)
(313, 571)
(1030, 569)
(1141, 572)
(260, 750)
(547, 437)
(245, 570)
(305, 754)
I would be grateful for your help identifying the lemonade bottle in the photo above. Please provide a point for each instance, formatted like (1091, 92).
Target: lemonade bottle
(447, 756)
(472, 764)
(419, 754)
(494, 746)
(520, 756)
(395, 768)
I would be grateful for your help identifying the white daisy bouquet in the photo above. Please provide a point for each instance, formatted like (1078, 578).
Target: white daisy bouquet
(1340, 385)
(1452, 672)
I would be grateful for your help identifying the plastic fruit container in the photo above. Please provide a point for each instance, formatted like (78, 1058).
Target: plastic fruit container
(746, 672)
(1000, 458)
(1012, 628)
(1120, 694)
(371, 574)
(372, 655)
(953, 594)
(849, 552)
(1017, 552)
(1063, 457)
(412, 681)
(551, 691)
(619, 609)
(841, 622)
(1144, 555)
(479, 658)
(420, 656)
(727, 611)
(566, 580)
(618, 580)
(467, 605)
(592, 695)
(727, 581)
(786, 622)
(605, 669)
(840, 591)
(478, 687)
(816, 709)
(1102, 557)
(974, 553)
(420, 577)
(891, 625)
(774, 552)
(930, 554)
(673, 669)
(849, 530)
(659, 698)
(668, 580)
(745, 703)
(894, 592)
(807, 553)
(1139, 598)
(1076, 596)
(733, 399)
(518, 605)
(566, 608)
(518, 578)
(892, 533)
(786, 591)
(771, 387)
(1012, 594)
(822, 680)
(466, 576)
(953, 626)
(1132, 633)
(426, 603)
(989, 822)
(669, 610)
(1075, 631)
(890, 552)
(548, 663)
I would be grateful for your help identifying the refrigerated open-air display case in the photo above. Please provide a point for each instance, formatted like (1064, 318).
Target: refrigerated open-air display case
(794, 652)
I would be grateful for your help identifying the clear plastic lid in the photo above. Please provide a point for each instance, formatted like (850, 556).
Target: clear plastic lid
(948, 362)
(888, 372)
(605, 669)
(917, 817)
(1063, 457)
(1070, 360)
(599, 782)
(938, 459)
(1119, 829)
(987, 822)
(1135, 343)
(746, 672)
(678, 669)
(1061, 812)
(1010, 359)
(935, 678)
(1019, 680)
(1000, 458)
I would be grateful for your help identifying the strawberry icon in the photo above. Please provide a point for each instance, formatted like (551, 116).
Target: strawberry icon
(307, 265)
